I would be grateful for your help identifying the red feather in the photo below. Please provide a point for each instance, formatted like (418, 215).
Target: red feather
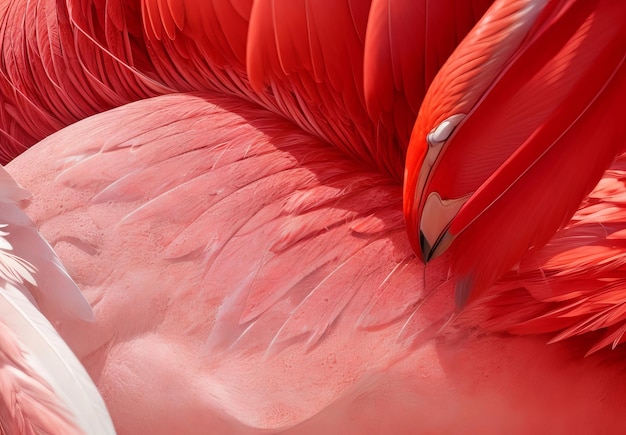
(543, 110)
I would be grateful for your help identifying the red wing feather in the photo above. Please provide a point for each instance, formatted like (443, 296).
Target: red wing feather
(574, 285)
(530, 130)
(327, 236)
(559, 161)
(405, 46)
(294, 47)
(458, 87)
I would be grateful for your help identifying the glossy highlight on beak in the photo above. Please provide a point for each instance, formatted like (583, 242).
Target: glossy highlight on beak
(491, 187)
(429, 215)
(434, 224)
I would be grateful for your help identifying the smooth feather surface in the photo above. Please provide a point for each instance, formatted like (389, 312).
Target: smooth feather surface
(544, 107)
(29, 260)
(295, 196)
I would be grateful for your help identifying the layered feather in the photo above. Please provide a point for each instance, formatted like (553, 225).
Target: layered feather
(282, 243)
(277, 271)
(64, 61)
(29, 405)
(284, 56)
(44, 388)
(405, 46)
(262, 238)
(544, 107)
(573, 285)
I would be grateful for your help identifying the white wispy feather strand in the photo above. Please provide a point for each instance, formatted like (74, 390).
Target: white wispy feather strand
(44, 349)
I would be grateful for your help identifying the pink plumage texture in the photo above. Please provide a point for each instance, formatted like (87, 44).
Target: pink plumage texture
(223, 181)
(262, 348)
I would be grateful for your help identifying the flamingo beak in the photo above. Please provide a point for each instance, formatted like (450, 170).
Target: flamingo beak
(428, 214)
(437, 215)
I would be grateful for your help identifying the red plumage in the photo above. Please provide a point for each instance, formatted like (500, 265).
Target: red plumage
(538, 116)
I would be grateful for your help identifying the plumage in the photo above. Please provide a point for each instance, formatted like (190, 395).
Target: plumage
(114, 61)
(252, 337)
(43, 386)
(583, 265)
(255, 163)
(29, 405)
(243, 243)
(406, 44)
(564, 80)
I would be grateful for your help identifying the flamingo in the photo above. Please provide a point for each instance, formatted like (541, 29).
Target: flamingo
(243, 244)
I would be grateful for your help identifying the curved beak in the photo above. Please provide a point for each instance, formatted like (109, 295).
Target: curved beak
(429, 218)
(521, 151)
(437, 215)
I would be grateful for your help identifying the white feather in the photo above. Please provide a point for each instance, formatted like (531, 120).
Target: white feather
(23, 250)
(45, 351)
